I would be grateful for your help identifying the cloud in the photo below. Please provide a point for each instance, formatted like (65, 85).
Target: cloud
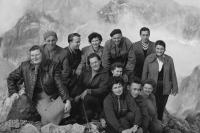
(11, 11)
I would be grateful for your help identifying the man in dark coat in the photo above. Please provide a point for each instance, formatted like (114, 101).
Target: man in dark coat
(142, 49)
(119, 49)
(56, 53)
(134, 88)
(73, 59)
(92, 86)
(42, 80)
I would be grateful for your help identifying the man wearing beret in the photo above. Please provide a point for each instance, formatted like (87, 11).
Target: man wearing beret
(142, 49)
(56, 53)
(119, 49)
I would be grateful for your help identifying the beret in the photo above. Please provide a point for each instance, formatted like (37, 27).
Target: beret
(115, 31)
(49, 33)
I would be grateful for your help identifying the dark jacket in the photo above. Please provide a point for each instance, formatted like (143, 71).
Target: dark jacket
(150, 71)
(86, 51)
(126, 55)
(151, 105)
(98, 85)
(73, 60)
(143, 108)
(112, 114)
(51, 79)
(140, 57)
(60, 57)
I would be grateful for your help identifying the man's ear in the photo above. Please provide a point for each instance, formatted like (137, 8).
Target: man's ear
(128, 87)
(112, 71)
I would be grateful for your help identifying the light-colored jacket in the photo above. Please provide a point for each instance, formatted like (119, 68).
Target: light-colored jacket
(150, 71)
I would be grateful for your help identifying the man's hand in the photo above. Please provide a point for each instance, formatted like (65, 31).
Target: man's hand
(127, 131)
(78, 72)
(14, 97)
(77, 98)
(67, 106)
(83, 94)
(140, 130)
(134, 128)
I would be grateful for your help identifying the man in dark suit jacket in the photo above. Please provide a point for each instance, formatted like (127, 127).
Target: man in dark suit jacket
(142, 49)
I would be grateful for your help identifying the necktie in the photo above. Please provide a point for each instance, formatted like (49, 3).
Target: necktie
(119, 108)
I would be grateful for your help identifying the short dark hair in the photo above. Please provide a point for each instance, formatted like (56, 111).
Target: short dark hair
(116, 65)
(144, 29)
(35, 47)
(150, 82)
(94, 35)
(115, 80)
(160, 42)
(134, 80)
(92, 55)
(70, 37)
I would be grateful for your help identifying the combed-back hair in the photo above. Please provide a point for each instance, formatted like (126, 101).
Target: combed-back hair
(144, 29)
(70, 37)
(134, 80)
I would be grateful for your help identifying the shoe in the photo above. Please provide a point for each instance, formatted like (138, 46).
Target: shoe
(67, 121)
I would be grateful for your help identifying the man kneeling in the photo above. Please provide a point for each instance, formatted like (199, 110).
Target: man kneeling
(121, 112)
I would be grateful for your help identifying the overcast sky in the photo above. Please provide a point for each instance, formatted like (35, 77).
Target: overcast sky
(195, 3)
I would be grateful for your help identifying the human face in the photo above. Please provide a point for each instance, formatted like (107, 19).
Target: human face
(95, 63)
(51, 42)
(147, 89)
(95, 42)
(117, 89)
(36, 56)
(117, 38)
(144, 36)
(160, 50)
(75, 43)
(134, 89)
(117, 72)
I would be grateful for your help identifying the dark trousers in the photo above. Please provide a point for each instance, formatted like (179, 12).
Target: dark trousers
(127, 122)
(93, 103)
(161, 100)
(155, 126)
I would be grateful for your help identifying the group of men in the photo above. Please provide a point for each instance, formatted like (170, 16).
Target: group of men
(120, 57)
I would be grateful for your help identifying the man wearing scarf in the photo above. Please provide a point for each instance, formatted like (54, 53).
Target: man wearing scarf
(142, 49)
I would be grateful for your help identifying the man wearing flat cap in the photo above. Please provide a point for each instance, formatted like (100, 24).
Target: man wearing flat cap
(55, 53)
(119, 49)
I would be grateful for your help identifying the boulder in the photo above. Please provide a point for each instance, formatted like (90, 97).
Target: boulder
(52, 128)
(29, 128)
(22, 110)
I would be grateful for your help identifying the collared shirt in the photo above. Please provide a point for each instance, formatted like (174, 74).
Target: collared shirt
(160, 62)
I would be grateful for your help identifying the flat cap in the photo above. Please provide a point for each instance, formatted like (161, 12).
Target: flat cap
(115, 31)
(49, 33)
